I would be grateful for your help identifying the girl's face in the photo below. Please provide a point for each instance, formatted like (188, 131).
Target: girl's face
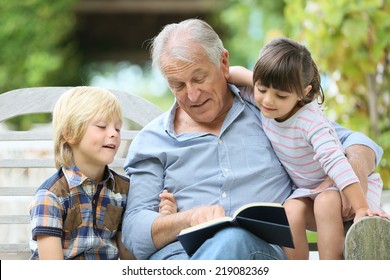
(276, 104)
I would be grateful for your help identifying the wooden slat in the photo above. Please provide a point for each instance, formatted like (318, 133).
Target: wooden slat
(27, 163)
(44, 163)
(14, 219)
(46, 135)
(25, 135)
(15, 248)
(129, 134)
(17, 191)
(42, 100)
(313, 247)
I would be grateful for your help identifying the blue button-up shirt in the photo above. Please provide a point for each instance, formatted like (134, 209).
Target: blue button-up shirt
(235, 168)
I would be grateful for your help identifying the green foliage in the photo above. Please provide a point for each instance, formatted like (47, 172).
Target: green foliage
(164, 102)
(311, 236)
(247, 25)
(35, 45)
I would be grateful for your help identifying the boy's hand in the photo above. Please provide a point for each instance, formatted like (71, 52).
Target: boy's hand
(168, 203)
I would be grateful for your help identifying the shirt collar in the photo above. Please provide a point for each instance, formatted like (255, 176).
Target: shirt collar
(75, 178)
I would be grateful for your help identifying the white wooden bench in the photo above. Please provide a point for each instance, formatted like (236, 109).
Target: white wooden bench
(35, 159)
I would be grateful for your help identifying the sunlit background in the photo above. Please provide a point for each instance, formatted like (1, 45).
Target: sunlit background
(105, 43)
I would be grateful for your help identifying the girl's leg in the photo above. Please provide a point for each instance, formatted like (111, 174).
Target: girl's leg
(330, 228)
(299, 211)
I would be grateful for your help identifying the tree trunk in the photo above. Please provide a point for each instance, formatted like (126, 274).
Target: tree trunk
(372, 105)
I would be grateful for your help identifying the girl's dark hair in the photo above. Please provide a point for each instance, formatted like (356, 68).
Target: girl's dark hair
(288, 66)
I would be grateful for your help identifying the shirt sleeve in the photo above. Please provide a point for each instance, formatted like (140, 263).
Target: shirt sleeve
(349, 138)
(329, 153)
(146, 177)
(46, 214)
(248, 94)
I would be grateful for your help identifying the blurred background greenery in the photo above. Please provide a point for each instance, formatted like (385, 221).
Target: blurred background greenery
(104, 43)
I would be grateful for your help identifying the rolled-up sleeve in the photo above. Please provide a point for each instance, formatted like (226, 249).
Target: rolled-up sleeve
(146, 182)
(138, 239)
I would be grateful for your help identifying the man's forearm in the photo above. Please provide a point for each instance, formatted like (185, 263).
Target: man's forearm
(166, 227)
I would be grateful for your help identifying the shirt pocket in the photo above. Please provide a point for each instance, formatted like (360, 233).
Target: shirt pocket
(72, 222)
(260, 157)
(113, 217)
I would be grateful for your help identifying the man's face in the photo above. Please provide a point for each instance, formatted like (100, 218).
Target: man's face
(200, 88)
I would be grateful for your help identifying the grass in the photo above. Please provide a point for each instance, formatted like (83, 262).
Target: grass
(311, 236)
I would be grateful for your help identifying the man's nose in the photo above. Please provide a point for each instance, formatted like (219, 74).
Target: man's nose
(193, 92)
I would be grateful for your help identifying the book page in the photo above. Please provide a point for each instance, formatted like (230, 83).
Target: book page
(206, 224)
(269, 204)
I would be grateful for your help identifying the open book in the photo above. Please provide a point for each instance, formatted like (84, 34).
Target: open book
(265, 220)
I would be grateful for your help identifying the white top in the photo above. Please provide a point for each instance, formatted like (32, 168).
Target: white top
(309, 149)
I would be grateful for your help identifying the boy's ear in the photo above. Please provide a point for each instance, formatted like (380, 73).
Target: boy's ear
(68, 138)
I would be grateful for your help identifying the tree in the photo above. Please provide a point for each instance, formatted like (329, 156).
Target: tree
(36, 48)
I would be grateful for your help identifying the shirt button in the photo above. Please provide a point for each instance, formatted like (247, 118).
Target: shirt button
(224, 195)
(220, 141)
(226, 170)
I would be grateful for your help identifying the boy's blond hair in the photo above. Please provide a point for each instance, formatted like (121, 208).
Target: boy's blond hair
(74, 110)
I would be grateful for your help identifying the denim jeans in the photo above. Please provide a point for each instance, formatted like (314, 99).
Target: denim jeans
(228, 244)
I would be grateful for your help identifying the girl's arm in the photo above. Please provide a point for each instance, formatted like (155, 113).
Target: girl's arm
(168, 203)
(240, 76)
(49, 247)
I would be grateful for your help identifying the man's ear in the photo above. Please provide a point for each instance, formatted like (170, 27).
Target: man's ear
(225, 64)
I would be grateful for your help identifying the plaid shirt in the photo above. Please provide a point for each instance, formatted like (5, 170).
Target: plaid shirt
(86, 216)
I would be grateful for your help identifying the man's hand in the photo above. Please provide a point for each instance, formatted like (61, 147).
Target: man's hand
(327, 183)
(206, 213)
(165, 228)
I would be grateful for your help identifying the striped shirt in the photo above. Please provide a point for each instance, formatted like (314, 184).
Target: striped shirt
(86, 216)
(309, 149)
(283, 137)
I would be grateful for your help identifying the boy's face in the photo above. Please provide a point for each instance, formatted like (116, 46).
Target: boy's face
(98, 146)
